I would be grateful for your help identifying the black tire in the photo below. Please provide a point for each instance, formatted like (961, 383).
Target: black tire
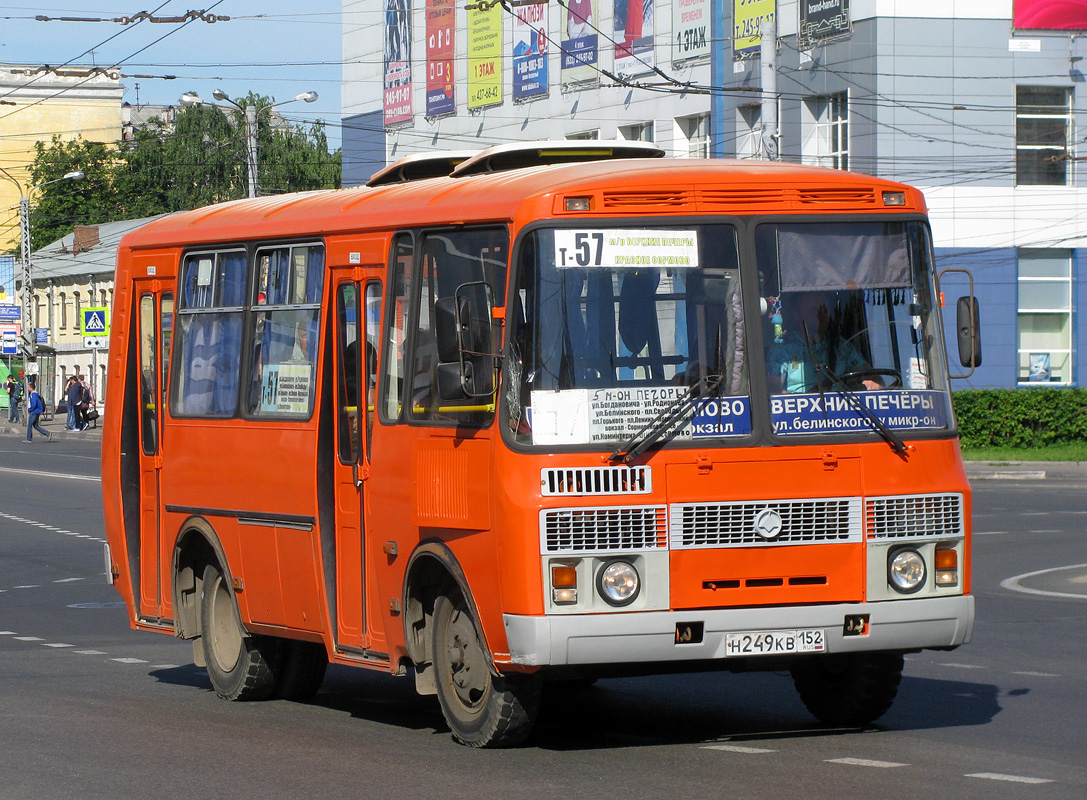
(241, 666)
(848, 688)
(482, 709)
(302, 670)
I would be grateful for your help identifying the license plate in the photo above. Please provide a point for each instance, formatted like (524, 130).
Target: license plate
(768, 643)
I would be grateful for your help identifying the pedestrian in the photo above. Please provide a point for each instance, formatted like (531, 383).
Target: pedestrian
(86, 399)
(34, 410)
(15, 394)
(69, 424)
(74, 394)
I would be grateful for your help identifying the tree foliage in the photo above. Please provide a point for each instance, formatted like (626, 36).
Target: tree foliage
(194, 160)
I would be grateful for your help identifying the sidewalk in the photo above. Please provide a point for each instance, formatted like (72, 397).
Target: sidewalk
(1027, 470)
(55, 427)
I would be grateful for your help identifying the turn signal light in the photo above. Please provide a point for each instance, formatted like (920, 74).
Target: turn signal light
(947, 567)
(894, 198)
(564, 584)
(578, 204)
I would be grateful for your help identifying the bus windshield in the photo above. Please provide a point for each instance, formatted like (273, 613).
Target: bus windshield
(613, 329)
(612, 326)
(850, 309)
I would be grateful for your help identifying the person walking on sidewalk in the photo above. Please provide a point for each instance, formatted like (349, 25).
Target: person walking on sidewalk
(74, 395)
(87, 405)
(34, 410)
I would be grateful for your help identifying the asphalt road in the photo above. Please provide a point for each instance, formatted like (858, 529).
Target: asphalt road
(89, 707)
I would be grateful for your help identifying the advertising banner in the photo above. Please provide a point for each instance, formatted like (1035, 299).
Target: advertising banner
(397, 104)
(440, 99)
(747, 18)
(823, 20)
(529, 52)
(484, 57)
(580, 51)
(632, 22)
(690, 29)
(1050, 15)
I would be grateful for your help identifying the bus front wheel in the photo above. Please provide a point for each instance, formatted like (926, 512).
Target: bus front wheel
(240, 665)
(481, 708)
(848, 688)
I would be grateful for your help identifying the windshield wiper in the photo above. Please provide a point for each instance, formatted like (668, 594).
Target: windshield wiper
(669, 419)
(878, 425)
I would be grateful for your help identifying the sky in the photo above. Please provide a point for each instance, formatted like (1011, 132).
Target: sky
(276, 48)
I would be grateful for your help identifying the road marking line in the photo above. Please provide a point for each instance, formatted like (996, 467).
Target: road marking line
(56, 644)
(996, 776)
(129, 660)
(90, 652)
(991, 533)
(27, 586)
(164, 666)
(1014, 585)
(865, 762)
(69, 580)
(7, 633)
(41, 474)
(1037, 674)
(962, 666)
(736, 748)
(29, 639)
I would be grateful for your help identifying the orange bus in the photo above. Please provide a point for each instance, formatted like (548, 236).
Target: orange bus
(553, 411)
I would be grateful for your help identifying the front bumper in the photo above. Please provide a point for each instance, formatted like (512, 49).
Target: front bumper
(645, 637)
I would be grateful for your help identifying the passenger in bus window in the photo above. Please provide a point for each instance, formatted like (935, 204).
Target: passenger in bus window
(811, 330)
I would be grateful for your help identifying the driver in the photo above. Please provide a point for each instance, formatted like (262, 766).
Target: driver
(789, 362)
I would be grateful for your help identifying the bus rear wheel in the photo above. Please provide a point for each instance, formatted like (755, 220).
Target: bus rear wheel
(481, 708)
(241, 666)
(848, 688)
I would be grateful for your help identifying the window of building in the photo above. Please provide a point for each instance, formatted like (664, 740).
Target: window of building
(749, 131)
(587, 135)
(208, 335)
(825, 131)
(77, 307)
(63, 310)
(1045, 316)
(1043, 135)
(642, 132)
(286, 317)
(696, 130)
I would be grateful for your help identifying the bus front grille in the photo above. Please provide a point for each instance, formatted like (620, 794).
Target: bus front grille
(583, 530)
(595, 480)
(764, 523)
(914, 515)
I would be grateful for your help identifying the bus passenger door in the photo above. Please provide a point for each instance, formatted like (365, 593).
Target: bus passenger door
(357, 319)
(154, 327)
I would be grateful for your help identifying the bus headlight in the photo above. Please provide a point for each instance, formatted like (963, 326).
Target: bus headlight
(906, 570)
(618, 583)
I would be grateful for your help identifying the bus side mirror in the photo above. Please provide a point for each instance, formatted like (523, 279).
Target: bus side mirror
(462, 326)
(968, 327)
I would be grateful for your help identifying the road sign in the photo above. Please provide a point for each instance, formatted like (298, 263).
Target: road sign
(11, 344)
(94, 322)
(95, 342)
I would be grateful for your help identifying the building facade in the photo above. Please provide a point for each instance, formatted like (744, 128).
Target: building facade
(37, 103)
(71, 277)
(977, 102)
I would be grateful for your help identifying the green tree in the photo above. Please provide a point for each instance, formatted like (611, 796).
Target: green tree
(197, 159)
(57, 205)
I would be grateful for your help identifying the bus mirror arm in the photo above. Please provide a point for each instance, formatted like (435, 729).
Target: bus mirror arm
(967, 324)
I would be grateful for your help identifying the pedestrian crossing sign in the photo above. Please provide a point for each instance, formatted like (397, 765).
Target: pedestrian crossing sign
(94, 322)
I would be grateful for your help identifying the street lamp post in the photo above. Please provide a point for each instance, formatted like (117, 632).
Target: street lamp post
(250, 114)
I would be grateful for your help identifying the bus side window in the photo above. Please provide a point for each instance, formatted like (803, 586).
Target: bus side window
(400, 291)
(451, 259)
(149, 374)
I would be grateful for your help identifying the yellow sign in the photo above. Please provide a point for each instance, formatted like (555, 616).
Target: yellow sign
(747, 19)
(485, 56)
